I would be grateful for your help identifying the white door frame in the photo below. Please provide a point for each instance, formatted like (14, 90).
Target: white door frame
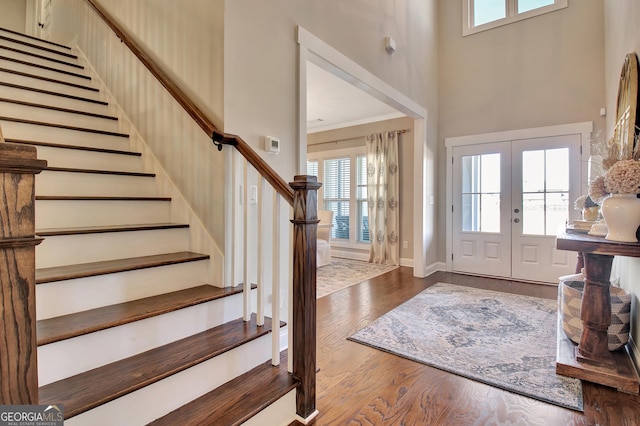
(584, 129)
(313, 49)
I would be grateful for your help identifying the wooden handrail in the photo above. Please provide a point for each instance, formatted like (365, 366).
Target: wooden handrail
(218, 137)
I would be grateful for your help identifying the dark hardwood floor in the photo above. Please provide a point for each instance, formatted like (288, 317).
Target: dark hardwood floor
(358, 385)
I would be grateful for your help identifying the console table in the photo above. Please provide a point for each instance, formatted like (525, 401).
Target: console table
(591, 359)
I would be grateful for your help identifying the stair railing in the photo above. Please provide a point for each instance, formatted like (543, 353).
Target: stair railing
(18, 347)
(301, 195)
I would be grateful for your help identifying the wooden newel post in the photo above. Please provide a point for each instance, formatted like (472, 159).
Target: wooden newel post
(18, 348)
(305, 223)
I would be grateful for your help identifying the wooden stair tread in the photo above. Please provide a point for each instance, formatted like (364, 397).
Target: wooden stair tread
(34, 38)
(100, 172)
(77, 324)
(68, 272)
(97, 198)
(237, 401)
(43, 57)
(63, 126)
(55, 108)
(52, 93)
(47, 79)
(44, 67)
(50, 232)
(37, 46)
(103, 384)
(77, 147)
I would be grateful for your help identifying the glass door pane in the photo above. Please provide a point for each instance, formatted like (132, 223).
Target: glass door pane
(481, 193)
(545, 190)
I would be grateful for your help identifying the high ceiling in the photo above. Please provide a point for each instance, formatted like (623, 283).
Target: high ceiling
(333, 103)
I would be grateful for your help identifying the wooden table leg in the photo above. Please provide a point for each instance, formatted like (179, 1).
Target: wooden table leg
(596, 309)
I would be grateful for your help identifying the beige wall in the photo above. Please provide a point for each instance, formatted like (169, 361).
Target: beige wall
(542, 71)
(622, 36)
(186, 41)
(13, 14)
(354, 137)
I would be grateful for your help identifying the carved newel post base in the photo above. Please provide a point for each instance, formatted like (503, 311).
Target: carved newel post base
(18, 363)
(305, 223)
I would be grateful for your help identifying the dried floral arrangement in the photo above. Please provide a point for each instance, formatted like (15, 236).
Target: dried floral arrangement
(621, 176)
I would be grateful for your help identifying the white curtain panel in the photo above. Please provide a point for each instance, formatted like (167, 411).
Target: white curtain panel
(383, 192)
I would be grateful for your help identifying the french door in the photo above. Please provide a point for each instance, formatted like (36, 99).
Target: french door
(509, 201)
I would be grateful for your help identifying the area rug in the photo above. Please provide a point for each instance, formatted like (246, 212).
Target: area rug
(504, 340)
(342, 273)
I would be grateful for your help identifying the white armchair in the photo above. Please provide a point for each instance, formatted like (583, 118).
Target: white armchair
(324, 237)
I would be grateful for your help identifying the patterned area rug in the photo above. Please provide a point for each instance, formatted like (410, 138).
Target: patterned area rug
(504, 340)
(343, 273)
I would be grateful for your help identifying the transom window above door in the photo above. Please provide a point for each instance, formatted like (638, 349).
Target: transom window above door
(481, 15)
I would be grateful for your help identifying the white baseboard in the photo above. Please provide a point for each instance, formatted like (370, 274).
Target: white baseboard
(434, 267)
(635, 352)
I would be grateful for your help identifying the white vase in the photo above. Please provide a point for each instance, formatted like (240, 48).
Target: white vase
(621, 213)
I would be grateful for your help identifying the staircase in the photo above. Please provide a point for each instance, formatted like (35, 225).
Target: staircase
(130, 328)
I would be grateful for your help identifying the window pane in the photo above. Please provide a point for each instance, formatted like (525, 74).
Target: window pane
(362, 211)
(363, 222)
(557, 211)
(312, 167)
(533, 171)
(527, 5)
(340, 211)
(490, 173)
(337, 178)
(557, 170)
(533, 214)
(481, 193)
(488, 11)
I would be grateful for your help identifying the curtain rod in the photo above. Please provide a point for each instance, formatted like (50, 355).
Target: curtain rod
(356, 137)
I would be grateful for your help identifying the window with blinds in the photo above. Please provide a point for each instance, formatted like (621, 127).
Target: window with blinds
(362, 209)
(337, 194)
(312, 168)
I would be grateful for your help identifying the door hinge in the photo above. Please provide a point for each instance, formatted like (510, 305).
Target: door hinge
(451, 208)
(451, 256)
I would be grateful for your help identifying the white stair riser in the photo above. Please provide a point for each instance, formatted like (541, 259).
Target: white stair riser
(36, 83)
(68, 183)
(158, 399)
(73, 356)
(74, 78)
(33, 132)
(9, 109)
(81, 294)
(39, 61)
(52, 100)
(37, 42)
(279, 412)
(81, 159)
(62, 250)
(74, 213)
(15, 43)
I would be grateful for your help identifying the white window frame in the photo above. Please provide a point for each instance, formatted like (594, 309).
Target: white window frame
(512, 15)
(352, 153)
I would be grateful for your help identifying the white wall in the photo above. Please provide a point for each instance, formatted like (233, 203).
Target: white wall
(185, 38)
(13, 14)
(622, 36)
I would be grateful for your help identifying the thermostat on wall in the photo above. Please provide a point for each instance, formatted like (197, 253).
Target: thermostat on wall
(271, 144)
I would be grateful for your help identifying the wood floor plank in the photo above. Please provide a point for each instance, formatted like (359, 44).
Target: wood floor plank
(74, 325)
(99, 386)
(68, 272)
(360, 385)
(236, 401)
